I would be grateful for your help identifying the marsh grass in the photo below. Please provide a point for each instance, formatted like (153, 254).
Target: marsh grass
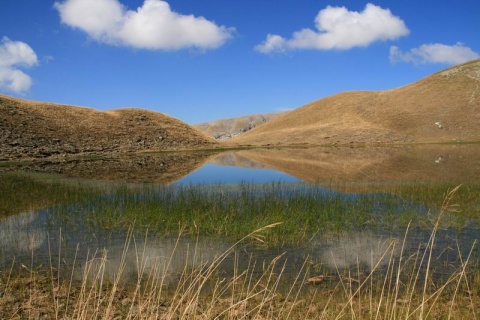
(22, 192)
(433, 194)
(235, 210)
(406, 288)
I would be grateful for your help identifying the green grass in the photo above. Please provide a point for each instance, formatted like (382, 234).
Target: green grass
(467, 196)
(23, 192)
(404, 287)
(304, 211)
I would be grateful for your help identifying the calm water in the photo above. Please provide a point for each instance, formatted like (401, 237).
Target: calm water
(32, 240)
(217, 174)
(33, 235)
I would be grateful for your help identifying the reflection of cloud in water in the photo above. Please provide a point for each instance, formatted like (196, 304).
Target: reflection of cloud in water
(22, 233)
(158, 258)
(361, 249)
(25, 236)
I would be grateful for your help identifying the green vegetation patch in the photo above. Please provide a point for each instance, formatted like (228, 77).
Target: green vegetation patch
(304, 211)
(23, 192)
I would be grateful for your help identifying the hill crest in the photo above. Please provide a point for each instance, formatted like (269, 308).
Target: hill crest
(442, 107)
(32, 129)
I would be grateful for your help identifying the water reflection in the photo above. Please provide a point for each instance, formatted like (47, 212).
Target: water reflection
(421, 163)
(235, 159)
(22, 233)
(147, 257)
(161, 168)
(359, 249)
(387, 164)
(336, 165)
(35, 239)
(216, 174)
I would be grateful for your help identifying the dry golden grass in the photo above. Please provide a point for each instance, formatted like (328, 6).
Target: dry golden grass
(36, 128)
(443, 107)
(406, 289)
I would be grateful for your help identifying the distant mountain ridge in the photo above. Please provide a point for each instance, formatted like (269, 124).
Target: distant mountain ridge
(224, 129)
(31, 129)
(443, 107)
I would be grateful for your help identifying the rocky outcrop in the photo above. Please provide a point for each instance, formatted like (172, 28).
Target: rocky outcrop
(225, 129)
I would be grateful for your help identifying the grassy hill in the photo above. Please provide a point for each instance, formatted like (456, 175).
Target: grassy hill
(37, 130)
(443, 107)
(224, 129)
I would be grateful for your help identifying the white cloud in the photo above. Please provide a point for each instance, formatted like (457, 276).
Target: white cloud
(13, 55)
(152, 26)
(338, 28)
(273, 43)
(434, 53)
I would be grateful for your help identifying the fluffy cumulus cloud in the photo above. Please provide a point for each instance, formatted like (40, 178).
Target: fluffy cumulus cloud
(15, 55)
(434, 53)
(152, 26)
(338, 28)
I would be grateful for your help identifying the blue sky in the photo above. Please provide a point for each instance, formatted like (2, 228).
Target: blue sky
(205, 60)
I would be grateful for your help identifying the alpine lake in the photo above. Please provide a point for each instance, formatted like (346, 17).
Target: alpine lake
(327, 232)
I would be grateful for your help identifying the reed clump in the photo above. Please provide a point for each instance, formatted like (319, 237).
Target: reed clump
(23, 192)
(233, 211)
(400, 286)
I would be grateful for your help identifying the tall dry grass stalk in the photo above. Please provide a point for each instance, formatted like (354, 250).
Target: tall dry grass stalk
(404, 287)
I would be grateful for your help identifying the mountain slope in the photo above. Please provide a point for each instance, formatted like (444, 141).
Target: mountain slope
(36, 129)
(225, 129)
(443, 107)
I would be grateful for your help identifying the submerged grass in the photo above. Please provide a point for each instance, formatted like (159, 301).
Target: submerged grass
(399, 285)
(433, 193)
(22, 192)
(405, 289)
(232, 211)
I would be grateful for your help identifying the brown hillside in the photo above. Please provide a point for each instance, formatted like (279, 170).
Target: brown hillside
(443, 107)
(36, 129)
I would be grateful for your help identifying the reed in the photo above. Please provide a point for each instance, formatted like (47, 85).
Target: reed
(232, 211)
(23, 192)
(200, 293)
(399, 284)
(406, 287)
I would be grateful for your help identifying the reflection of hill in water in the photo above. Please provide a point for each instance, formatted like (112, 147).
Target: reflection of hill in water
(233, 159)
(45, 183)
(423, 163)
(159, 168)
